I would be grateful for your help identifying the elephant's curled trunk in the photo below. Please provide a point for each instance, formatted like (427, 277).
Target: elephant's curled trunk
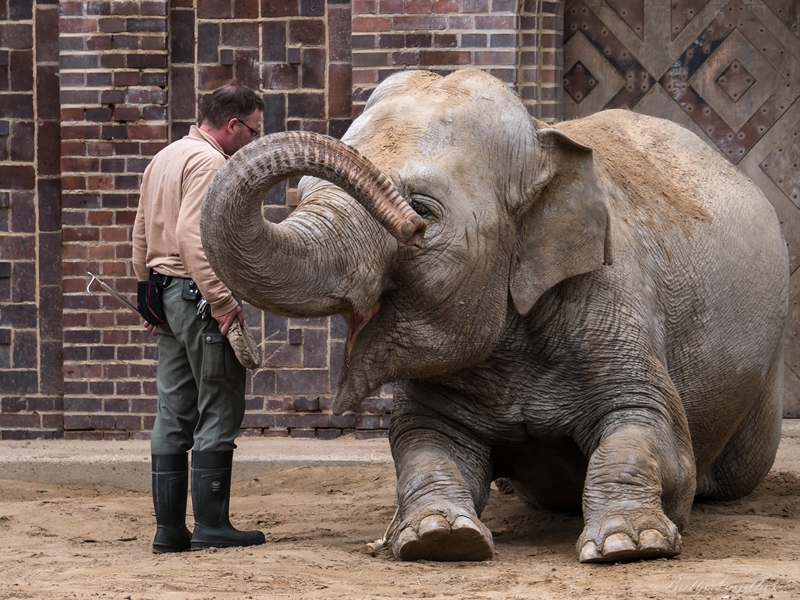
(262, 261)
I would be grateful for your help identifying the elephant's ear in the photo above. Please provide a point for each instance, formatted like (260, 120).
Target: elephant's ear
(564, 230)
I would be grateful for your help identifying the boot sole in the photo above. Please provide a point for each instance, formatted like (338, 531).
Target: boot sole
(170, 549)
(205, 545)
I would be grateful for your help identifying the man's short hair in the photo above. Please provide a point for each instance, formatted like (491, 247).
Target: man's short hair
(231, 101)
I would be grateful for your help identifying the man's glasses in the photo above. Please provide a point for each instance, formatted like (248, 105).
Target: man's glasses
(253, 131)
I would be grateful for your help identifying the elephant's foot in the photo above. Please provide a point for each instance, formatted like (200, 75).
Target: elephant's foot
(443, 536)
(620, 542)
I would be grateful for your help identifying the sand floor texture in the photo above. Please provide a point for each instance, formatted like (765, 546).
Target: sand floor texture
(61, 541)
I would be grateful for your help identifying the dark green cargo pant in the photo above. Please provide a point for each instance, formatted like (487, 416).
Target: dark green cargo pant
(200, 382)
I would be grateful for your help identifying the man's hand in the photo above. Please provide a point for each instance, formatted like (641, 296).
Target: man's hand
(151, 328)
(225, 320)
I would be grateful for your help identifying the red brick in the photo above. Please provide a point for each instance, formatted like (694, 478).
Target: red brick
(69, 9)
(126, 113)
(365, 7)
(153, 43)
(417, 23)
(494, 58)
(17, 177)
(152, 148)
(391, 7)
(495, 22)
(372, 24)
(73, 182)
(245, 9)
(99, 42)
(70, 25)
(280, 8)
(146, 61)
(71, 164)
(80, 131)
(361, 76)
(113, 61)
(210, 77)
(445, 40)
(99, 148)
(445, 6)
(340, 90)
(124, 7)
(240, 35)
(111, 25)
(126, 42)
(443, 57)
(280, 76)
(308, 32)
(114, 234)
(462, 22)
(16, 36)
(419, 7)
(214, 9)
(370, 59)
(100, 182)
(126, 78)
(154, 9)
(71, 114)
(147, 132)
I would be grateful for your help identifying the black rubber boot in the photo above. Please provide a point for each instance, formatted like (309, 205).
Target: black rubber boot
(211, 489)
(170, 486)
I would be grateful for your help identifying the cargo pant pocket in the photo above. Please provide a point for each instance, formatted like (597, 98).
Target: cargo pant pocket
(216, 357)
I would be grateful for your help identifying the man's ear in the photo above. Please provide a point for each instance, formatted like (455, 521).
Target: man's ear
(564, 230)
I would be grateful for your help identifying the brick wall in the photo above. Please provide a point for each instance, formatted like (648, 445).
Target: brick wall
(113, 71)
(30, 230)
(116, 80)
(517, 42)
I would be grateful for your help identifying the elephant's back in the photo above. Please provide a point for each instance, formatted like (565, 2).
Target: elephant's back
(667, 171)
(672, 190)
(708, 239)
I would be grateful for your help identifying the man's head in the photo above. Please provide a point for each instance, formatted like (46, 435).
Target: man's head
(231, 115)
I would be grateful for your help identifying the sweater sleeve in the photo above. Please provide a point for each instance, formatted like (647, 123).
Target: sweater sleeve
(140, 244)
(195, 183)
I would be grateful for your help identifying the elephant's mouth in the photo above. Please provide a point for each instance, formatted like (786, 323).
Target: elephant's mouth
(356, 381)
(357, 324)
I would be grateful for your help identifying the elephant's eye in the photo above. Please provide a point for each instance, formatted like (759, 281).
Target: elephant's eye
(419, 208)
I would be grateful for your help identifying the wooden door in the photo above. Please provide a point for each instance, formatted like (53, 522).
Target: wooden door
(729, 71)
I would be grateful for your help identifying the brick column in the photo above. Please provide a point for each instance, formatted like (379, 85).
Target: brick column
(30, 223)
(541, 58)
(113, 59)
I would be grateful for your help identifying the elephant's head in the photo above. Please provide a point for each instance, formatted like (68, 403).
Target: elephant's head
(461, 204)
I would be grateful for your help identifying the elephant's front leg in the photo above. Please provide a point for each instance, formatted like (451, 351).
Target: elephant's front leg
(638, 492)
(443, 478)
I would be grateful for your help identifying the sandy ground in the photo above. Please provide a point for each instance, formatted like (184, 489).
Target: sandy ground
(69, 541)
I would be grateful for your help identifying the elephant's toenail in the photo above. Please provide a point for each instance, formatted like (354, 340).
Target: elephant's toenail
(405, 536)
(464, 523)
(589, 552)
(652, 539)
(433, 523)
(619, 542)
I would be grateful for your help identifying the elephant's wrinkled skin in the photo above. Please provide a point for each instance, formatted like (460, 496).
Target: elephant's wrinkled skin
(595, 312)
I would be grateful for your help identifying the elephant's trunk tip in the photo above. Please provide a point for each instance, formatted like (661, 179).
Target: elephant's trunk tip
(412, 232)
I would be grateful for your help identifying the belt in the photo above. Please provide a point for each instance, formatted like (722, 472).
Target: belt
(159, 279)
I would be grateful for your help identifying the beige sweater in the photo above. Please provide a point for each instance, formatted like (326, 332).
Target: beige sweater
(166, 234)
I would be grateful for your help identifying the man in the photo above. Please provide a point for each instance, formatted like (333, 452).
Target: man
(200, 383)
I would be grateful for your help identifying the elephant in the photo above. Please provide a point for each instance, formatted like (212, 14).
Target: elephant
(593, 310)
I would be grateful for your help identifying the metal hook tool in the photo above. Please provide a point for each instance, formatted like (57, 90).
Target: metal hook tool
(110, 290)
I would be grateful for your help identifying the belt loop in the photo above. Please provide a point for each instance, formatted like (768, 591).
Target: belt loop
(159, 279)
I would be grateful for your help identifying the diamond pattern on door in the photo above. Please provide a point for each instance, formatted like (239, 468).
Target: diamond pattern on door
(729, 71)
